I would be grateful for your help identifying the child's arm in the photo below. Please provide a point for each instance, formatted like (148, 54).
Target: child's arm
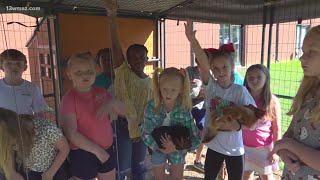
(118, 57)
(200, 54)
(308, 155)
(148, 126)
(69, 125)
(276, 123)
(63, 147)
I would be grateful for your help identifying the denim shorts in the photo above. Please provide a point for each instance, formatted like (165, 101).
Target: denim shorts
(158, 158)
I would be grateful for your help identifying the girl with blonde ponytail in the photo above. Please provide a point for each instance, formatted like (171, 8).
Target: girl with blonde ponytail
(299, 149)
(171, 106)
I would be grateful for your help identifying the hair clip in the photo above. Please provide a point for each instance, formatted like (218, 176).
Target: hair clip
(182, 71)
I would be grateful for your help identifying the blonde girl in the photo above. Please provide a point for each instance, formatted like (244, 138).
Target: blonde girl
(34, 144)
(170, 106)
(299, 148)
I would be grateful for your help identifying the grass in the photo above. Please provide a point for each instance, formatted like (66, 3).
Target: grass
(285, 81)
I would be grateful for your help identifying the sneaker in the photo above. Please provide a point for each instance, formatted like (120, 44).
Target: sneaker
(199, 166)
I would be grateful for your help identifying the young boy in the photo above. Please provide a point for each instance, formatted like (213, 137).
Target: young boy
(17, 94)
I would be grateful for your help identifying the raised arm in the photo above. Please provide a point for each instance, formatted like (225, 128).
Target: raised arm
(118, 57)
(200, 54)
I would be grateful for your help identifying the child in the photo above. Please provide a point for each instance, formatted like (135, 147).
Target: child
(299, 149)
(171, 106)
(37, 144)
(17, 94)
(104, 61)
(198, 110)
(259, 142)
(84, 118)
(226, 146)
(133, 87)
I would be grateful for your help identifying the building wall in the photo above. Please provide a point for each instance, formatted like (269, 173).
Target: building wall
(178, 48)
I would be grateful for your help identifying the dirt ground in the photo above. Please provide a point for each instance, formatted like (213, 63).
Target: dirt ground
(191, 173)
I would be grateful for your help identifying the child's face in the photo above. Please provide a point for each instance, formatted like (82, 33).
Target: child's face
(82, 74)
(310, 60)
(13, 69)
(221, 69)
(256, 79)
(170, 88)
(138, 60)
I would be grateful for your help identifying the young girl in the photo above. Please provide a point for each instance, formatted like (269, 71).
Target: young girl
(104, 61)
(39, 146)
(171, 106)
(259, 142)
(226, 146)
(134, 87)
(299, 149)
(84, 118)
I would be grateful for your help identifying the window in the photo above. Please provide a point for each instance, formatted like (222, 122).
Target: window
(231, 34)
(45, 66)
(301, 32)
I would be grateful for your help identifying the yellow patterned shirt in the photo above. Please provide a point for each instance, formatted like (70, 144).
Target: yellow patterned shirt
(135, 92)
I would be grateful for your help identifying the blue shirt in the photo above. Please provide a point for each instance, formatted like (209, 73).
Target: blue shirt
(103, 81)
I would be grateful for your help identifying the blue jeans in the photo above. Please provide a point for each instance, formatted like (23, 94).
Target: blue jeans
(131, 155)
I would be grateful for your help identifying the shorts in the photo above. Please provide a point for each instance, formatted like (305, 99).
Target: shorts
(255, 159)
(158, 158)
(86, 165)
(198, 115)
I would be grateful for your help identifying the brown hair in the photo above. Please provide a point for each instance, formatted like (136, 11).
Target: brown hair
(267, 97)
(12, 55)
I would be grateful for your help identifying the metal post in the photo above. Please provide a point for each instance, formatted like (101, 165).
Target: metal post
(277, 43)
(164, 43)
(58, 55)
(160, 41)
(192, 58)
(263, 33)
(270, 35)
(52, 71)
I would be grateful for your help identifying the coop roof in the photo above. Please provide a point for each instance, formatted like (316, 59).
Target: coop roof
(215, 11)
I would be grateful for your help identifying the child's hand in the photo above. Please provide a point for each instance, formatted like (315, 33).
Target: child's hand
(102, 155)
(290, 160)
(273, 158)
(118, 107)
(168, 145)
(113, 106)
(111, 6)
(48, 175)
(190, 33)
